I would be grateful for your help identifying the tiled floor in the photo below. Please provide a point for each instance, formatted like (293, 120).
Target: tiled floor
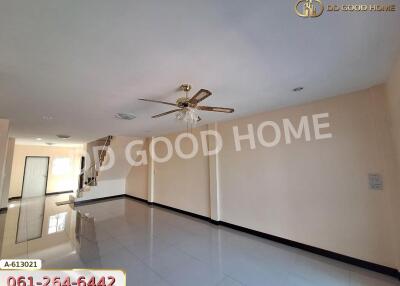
(160, 247)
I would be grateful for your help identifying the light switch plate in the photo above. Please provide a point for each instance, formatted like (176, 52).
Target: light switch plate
(375, 181)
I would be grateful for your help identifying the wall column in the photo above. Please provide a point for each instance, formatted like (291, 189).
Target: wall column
(7, 172)
(214, 169)
(4, 125)
(151, 173)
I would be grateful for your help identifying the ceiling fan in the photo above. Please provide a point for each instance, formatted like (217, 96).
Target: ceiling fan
(187, 107)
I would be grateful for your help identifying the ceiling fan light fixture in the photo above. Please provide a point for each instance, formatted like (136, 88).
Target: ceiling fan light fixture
(187, 107)
(188, 115)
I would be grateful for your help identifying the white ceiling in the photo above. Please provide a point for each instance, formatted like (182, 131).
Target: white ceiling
(83, 61)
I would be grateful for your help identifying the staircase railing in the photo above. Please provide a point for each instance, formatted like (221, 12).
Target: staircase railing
(90, 174)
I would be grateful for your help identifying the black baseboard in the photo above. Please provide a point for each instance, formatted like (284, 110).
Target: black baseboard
(181, 211)
(59, 193)
(170, 208)
(138, 199)
(98, 200)
(3, 210)
(323, 252)
(47, 194)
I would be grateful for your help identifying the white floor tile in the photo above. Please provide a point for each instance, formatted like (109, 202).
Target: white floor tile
(159, 247)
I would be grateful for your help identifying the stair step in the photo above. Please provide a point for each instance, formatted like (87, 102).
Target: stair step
(68, 202)
(91, 181)
(71, 200)
(84, 189)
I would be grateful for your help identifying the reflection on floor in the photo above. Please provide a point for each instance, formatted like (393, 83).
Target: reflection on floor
(159, 247)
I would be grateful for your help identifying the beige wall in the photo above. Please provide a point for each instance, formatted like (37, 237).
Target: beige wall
(121, 167)
(7, 171)
(181, 183)
(58, 182)
(137, 183)
(317, 192)
(4, 125)
(313, 192)
(393, 94)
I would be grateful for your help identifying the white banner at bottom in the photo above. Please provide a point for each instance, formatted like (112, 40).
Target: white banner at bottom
(74, 277)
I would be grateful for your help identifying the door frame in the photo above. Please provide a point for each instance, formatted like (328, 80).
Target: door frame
(47, 176)
(82, 174)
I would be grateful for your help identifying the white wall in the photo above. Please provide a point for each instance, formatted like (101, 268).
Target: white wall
(106, 188)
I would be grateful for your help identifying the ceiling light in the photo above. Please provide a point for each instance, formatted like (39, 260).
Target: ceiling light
(188, 115)
(125, 116)
(50, 143)
(39, 139)
(63, 136)
(299, 88)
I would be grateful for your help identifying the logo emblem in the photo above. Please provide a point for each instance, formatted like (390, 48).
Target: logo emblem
(309, 8)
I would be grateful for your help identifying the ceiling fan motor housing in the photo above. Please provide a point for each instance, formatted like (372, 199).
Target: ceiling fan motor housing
(186, 87)
(183, 102)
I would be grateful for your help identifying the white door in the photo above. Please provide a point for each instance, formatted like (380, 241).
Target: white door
(35, 177)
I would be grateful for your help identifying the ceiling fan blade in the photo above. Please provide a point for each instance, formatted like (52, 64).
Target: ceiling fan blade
(199, 96)
(216, 109)
(158, 101)
(165, 113)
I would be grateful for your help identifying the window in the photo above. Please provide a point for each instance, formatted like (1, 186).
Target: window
(61, 166)
(57, 222)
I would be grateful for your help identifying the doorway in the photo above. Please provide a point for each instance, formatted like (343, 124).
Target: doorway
(35, 176)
